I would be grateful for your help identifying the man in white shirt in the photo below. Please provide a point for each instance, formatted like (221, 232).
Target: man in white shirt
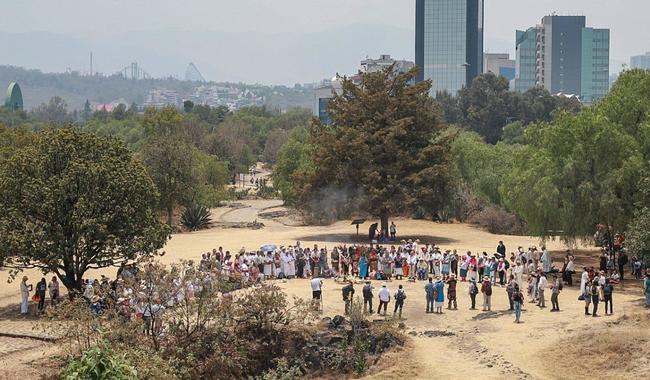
(543, 284)
(316, 291)
(384, 299)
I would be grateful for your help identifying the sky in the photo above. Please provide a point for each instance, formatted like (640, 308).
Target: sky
(100, 19)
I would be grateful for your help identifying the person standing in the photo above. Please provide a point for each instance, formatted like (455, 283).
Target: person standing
(486, 289)
(316, 292)
(384, 299)
(608, 289)
(363, 267)
(54, 290)
(440, 295)
(518, 301)
(541, 287)
(367, 298)
(429, 290)
(501, 249)
(393, 231)
(556, 288)
(400, 297)
(451, 291)
(24, 296)
(348, 293)
(510, 290)
(454, 262)
(594, 292)
(570, 270)
(547, 260)
(473, 291)
(41, 289)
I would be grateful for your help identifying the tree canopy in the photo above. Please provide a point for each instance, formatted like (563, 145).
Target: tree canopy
(382, 154)
(72, 202)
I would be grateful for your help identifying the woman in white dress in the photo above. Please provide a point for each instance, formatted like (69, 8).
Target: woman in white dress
(24, 296)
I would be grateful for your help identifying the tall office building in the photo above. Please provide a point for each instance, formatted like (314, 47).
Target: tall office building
(640, 61)
(564, 56)
(449, 42)
(499, 64)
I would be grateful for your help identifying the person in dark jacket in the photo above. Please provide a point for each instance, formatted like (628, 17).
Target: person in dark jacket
(367, 298)
(501, 249)
(608, 289)
(41, 289)
(348, 293)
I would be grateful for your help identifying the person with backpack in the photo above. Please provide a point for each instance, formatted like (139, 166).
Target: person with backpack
(429, 290)
(367, 298)
(517, 301)
(440, 295)
(400, 296)
(486, 289)
(556, 288)
(348, 293)
(384, 299)
(608, 289)
(473, 291)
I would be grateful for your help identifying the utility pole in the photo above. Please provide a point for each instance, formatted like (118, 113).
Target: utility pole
(91, 63)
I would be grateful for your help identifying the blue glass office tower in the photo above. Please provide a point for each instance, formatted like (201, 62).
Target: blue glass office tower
(449, 42)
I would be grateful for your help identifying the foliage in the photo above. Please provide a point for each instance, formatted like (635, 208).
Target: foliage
(497, 220)
(638, 231)
(576, 173)
(99, 363)
(382, 154)
(196, 217)
(487, 106)
(55, 112)
(293, 167)
(73, 202)
(482, 166)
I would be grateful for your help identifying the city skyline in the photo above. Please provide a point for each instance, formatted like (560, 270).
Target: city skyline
(95, 23)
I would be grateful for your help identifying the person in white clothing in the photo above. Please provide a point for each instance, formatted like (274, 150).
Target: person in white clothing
(541, 287)
(24, 296)
(384, 299)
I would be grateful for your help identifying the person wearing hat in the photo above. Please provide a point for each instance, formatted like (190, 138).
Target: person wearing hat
(451, 291)
(24, 296)
(486, 289)
(384, 298)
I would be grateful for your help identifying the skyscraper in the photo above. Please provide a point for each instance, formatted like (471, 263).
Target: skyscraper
(449, 42)
(564, 56)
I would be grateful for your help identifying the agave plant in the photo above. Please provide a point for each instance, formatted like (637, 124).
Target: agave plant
(196, 217)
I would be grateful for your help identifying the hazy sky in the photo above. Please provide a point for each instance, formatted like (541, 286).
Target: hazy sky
(90, 19)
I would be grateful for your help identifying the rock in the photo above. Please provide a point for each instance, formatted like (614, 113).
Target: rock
(413, 333)
(490, 365)
(401, 325)
(337, 321)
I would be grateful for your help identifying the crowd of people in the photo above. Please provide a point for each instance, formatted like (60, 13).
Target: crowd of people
(529, 273)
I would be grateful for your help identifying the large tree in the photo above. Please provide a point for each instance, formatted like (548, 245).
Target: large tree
(382, 154)
(73, 202)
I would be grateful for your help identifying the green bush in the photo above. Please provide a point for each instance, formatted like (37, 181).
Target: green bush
(196, 217)
(99, 363)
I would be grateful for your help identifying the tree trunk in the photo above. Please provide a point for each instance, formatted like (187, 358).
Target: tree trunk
(383, 216)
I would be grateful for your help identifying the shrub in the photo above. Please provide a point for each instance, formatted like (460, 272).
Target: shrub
(497, 220)
(196, 217)
(98, 363)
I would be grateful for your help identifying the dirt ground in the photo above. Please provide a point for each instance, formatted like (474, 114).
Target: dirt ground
(454, 344)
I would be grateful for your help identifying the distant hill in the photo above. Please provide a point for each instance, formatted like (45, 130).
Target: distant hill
(74, 88)
(223, 56)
